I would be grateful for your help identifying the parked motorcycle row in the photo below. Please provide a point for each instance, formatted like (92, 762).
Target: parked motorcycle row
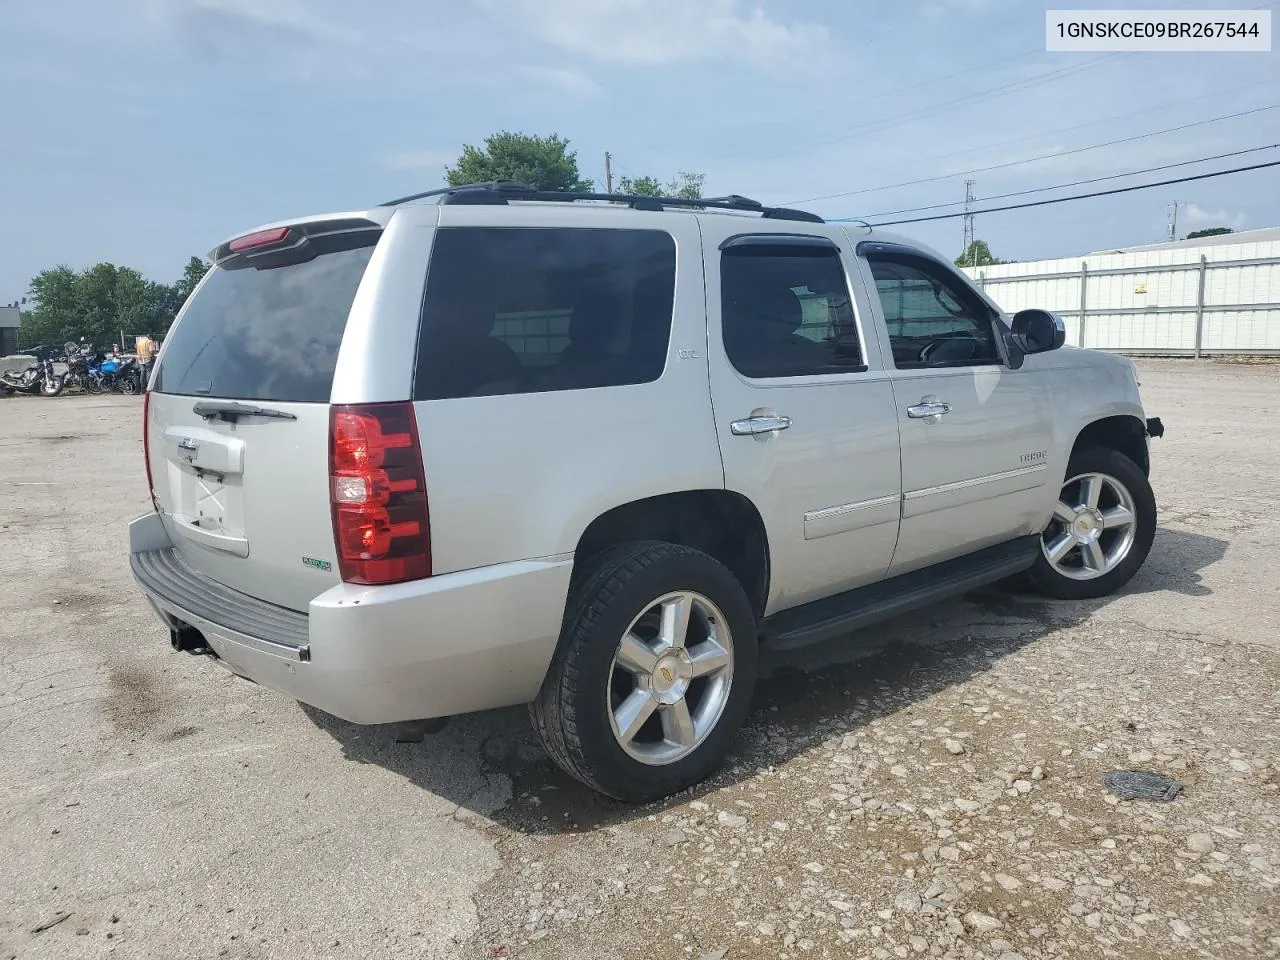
(87, 370)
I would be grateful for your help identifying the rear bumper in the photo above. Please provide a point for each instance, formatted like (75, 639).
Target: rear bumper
(450, 644)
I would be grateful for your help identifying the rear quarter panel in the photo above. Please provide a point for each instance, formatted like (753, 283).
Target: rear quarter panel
(519, 477)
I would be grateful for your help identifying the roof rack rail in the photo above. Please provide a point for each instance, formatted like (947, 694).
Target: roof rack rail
(483, 186)
(738, 200)
(498, 192)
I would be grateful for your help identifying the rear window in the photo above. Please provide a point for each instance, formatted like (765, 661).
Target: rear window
(268, 332)
(527, 310)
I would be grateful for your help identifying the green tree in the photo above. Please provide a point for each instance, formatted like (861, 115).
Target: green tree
(55, 314)
(1209, 232)
(135, 302)
(978, 254)
(686, 186)
(163, 303)
(192, 274)
(544, 162)
(100, 302)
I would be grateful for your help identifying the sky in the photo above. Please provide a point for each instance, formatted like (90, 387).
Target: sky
(141, 132)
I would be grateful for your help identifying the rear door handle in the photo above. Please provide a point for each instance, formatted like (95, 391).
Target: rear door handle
(925, 410)
(754, 425)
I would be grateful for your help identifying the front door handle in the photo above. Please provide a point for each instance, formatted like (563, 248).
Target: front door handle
(755, 425)
(927, 409)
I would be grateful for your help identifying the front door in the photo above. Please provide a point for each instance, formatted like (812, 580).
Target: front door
(975, 433)
(804, 409)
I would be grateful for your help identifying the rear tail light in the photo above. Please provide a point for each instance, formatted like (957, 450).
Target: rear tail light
(378, 494)
(146, 448)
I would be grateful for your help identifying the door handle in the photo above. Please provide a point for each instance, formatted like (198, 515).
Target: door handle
(755, 425)
(926, 410)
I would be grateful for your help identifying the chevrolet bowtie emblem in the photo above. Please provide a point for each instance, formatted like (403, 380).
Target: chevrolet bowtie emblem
(666, 674)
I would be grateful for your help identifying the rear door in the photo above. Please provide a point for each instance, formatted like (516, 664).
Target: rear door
(803, 407)
(238, 409)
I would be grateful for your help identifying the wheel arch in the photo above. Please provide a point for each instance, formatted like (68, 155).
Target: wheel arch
(720, 523)
(1123, 432)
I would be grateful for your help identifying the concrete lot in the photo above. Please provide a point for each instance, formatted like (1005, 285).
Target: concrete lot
(174, 811)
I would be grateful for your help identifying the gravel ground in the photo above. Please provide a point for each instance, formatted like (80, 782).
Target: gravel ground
(932, 791)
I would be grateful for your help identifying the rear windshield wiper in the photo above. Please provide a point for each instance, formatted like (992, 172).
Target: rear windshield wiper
(231, 412)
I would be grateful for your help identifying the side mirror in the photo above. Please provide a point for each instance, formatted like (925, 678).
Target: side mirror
(1038, 331)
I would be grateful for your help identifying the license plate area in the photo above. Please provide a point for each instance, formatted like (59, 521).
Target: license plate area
(209, 502)
(206, 487)
(208, 509)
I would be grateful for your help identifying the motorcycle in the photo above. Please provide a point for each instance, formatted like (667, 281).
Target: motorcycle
(128, 377)
(103, 373)
(95, 381)
(38, 378)
(79, 372)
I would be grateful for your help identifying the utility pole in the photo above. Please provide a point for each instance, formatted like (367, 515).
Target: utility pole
(608, 172)
(967, 246)
(1173, 219)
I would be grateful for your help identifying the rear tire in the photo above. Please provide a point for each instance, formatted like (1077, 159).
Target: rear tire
(128, 386)
(625, 711)
(1101, 530)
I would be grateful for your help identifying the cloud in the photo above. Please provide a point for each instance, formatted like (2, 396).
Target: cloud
(564, 79)
(248, 29)
(942, 9)
(284, 16)
(668, 31)
(1217, 218)
(425, 160)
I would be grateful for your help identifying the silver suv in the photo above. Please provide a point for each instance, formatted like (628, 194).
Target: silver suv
(491, 446)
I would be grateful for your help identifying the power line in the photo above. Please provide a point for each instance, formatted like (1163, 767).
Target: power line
(1079, 183)
(996, 91)
(1214, 94)
(991, 93)
(1036, 159)
(886, 123)
(1079, 196)
(960, 73)
(981, 96)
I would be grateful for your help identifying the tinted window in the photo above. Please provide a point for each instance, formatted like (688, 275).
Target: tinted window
(268, 333)
(934, 319)
(511, 310)
(786, 312)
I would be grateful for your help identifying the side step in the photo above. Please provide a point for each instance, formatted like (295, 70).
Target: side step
(836, 616)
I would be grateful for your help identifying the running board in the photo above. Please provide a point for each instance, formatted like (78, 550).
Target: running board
(836, 616)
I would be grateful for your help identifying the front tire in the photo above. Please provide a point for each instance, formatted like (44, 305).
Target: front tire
(1101, 530)
(51, 386)
(653, 674)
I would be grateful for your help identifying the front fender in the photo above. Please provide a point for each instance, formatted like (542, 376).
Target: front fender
(1091, 388)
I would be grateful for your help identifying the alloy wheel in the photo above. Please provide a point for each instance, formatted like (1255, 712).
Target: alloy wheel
(1093, 527)
(670, 678)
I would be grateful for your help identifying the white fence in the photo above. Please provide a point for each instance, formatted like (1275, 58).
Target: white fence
(1197, 300)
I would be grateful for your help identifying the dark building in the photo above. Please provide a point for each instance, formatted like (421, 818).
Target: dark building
(10, 319)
